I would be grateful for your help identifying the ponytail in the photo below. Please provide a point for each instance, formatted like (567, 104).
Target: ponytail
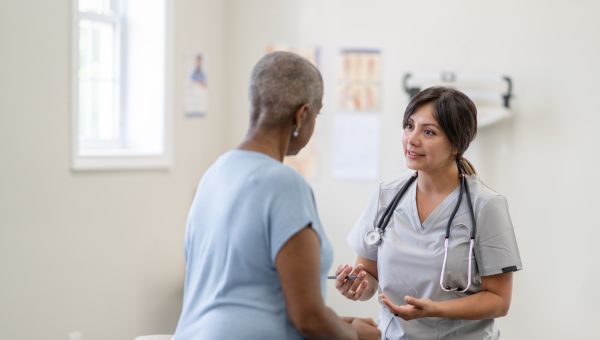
(465, 167)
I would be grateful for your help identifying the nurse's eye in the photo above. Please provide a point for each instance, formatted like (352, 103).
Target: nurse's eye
(429, 132)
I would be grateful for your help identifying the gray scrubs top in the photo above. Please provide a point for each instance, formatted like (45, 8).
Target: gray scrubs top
(409, 259)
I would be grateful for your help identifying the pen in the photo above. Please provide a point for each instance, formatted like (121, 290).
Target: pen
(349, 277)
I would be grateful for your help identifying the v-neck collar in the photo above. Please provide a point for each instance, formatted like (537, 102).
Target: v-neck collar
(434, 216)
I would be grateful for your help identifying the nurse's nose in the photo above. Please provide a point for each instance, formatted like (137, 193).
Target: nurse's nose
(412, 138)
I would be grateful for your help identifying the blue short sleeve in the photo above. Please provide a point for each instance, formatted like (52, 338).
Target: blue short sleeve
(292, 209)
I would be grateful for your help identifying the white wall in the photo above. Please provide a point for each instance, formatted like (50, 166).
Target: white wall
(97, 252)
(544, 160)
(101, 252)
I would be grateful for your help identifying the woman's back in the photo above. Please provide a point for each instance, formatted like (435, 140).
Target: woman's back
(246, 207)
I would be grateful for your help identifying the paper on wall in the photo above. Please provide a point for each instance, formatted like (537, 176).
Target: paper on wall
(356, 146)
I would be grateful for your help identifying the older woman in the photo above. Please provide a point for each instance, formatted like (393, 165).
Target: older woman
(255, 248)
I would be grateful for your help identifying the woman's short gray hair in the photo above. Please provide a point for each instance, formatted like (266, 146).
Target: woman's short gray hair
(280, 84)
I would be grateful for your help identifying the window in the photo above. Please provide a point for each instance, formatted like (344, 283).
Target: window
(120, 84)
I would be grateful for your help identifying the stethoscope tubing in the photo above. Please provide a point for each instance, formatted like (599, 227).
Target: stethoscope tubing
(464, 189)
(389, 211)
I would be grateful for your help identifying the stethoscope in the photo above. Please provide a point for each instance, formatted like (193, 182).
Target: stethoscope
(374, 237)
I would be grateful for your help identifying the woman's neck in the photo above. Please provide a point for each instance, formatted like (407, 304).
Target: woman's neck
(441, 181)
(273, 143)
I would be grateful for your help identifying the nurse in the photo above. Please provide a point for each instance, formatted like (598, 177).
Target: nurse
(433, 282)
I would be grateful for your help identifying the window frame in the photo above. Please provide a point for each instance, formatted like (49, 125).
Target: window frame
(121, 158)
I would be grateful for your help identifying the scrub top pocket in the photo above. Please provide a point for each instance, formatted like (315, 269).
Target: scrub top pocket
(457, 264)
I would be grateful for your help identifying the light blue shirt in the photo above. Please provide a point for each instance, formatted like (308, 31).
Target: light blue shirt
(246, 208)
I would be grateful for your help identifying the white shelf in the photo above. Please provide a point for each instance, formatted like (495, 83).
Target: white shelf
(487, 116)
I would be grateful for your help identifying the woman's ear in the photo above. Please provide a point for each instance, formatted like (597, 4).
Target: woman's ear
(301, 116)
(454, 151)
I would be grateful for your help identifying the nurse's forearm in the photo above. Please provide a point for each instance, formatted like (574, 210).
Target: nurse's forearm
(479, 306)
(491, 302)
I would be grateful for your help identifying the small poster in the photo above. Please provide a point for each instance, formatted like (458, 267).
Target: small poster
(196, 86)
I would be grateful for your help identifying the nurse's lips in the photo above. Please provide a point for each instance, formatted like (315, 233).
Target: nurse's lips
(413, 155)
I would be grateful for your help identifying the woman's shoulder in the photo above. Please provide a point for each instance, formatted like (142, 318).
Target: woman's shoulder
(397, 183)
(282, 177)
(483, 192)
(261, 171)
(289, 174)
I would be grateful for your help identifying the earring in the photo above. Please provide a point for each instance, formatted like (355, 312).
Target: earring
(296, 133)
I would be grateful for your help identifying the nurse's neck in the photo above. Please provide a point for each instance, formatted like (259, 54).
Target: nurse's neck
(440, 181)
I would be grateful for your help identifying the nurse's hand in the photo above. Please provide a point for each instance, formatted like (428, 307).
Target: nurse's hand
(352, 289)
(413, 309)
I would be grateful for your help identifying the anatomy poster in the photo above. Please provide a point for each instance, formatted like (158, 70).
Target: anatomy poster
(359, 84)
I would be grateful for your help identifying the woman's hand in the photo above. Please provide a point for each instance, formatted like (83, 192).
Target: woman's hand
(366, 329)
(352, 289)
(491, 302)
(413, 309)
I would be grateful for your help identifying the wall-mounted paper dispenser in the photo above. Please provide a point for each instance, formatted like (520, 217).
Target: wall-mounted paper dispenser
(491, 93)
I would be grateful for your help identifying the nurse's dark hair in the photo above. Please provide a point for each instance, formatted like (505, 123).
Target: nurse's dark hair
(281, 82)
(455, 113)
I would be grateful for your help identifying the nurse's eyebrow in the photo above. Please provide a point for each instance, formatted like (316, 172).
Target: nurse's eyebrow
(430, 124)
(410, 120)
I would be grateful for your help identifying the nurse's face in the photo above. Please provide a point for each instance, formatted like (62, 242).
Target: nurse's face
(426, 146)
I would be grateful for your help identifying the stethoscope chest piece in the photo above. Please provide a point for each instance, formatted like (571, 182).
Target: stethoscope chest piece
(373, 238)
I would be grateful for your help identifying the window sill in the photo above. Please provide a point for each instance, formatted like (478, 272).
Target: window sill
(108, 163)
